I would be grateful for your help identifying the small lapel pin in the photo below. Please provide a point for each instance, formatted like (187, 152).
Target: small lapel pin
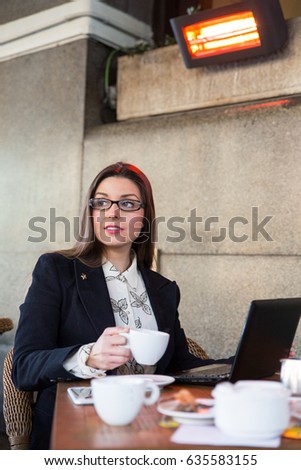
(84, 276)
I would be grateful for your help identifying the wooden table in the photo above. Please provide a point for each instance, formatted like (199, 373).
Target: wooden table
(79, 427)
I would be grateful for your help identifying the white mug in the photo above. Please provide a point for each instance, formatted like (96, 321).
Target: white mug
(147, 346)
(118, 400)
(251, 408)
(290, 374)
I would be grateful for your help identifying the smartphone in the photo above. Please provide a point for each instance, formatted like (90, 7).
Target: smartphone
(81, 395)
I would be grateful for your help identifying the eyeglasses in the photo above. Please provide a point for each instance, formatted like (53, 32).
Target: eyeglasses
(128, 205)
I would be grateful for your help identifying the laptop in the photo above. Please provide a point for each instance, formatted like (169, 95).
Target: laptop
(267, 337)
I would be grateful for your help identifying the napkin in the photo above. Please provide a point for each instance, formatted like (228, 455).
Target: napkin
(211, 435)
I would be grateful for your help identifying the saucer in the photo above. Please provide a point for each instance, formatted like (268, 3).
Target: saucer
(204, 417)
(160, 380)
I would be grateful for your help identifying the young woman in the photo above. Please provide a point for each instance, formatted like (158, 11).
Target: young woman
(82, 298)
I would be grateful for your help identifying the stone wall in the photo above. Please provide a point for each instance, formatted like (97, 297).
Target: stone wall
(290, 8)
(234, 165)
(220, 144)
(48, 99)
(221, 147)
(41, 135)
(238, 159)
(162, 84)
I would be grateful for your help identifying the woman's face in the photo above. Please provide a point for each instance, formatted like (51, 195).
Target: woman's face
(115, 227)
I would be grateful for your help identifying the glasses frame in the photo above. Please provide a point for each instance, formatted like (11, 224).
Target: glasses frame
(140, 204)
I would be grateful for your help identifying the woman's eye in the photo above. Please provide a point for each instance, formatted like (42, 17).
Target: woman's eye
(102, 203)
(128, 204)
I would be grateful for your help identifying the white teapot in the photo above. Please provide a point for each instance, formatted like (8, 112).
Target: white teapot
(251, 408)
(290, 374)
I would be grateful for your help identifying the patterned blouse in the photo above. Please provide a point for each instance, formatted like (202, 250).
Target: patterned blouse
(131, 308)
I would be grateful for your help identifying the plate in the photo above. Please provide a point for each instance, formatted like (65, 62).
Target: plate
(203, 418)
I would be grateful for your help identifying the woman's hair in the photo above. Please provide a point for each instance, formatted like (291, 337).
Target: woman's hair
(88, 248)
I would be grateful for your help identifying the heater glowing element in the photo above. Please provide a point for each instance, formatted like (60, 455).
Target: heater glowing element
(248, 29)
(219, 35)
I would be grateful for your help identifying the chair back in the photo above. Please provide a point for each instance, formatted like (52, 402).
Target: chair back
(6, 324)
(17, 409)
(196, 349)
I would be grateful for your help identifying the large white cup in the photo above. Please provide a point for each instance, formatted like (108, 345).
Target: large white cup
(147, 346)
(290, 374)
(251, 408)
(118, 400)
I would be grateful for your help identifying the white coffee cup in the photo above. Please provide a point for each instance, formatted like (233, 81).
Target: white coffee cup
(251, 408)
(118, 400)
(290, 374)
(147, 346)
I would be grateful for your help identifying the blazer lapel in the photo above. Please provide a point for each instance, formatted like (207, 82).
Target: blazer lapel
(163, 297)
(93, 292)
(161, 294)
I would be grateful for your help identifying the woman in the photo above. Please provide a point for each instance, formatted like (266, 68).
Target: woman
(82, 298)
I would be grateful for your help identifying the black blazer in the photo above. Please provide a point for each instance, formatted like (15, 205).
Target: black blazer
(68, 305)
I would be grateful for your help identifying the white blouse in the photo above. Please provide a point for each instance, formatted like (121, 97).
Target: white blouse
(132, 309)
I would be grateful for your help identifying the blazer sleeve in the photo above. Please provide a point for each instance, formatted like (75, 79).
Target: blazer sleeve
(38, 357)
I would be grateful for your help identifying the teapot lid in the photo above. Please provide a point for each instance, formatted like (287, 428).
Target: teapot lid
(253, 387)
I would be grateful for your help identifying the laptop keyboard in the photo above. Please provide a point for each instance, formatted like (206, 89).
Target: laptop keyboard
(202, 379)
(202, 376)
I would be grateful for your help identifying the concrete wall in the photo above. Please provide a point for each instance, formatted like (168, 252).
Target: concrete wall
(162, 84)
(221, 161)
(290, 8)
(41, 135)
(47, 100)
(218, 171)
(222, 165)
(15, 9)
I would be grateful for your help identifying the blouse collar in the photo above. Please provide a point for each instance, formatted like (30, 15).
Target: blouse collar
(130, 275)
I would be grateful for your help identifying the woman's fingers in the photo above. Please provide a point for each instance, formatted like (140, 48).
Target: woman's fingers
(108, 351)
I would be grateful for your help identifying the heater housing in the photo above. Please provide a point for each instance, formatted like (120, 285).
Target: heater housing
(251, 28)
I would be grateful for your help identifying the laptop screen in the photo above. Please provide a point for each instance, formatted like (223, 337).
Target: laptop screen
(267, 337)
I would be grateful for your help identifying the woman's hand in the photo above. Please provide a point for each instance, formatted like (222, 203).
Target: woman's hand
(292, 352)
(108, 353)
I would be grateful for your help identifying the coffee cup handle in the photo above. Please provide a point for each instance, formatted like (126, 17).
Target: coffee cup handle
(154, 395)
(127, 337)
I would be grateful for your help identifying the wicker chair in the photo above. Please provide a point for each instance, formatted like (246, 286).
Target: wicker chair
(6, 324)
(196, 349)
(16, 409)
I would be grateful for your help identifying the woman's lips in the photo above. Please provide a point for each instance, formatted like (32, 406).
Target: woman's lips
(113, 229)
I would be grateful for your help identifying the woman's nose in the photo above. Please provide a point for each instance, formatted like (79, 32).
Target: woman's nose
(113, 211)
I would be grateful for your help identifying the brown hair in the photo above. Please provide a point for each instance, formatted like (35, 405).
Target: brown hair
(88, 248)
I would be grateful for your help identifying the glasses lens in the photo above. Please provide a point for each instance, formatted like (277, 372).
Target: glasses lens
(100, 204)
(125, 204)
(129, 205)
